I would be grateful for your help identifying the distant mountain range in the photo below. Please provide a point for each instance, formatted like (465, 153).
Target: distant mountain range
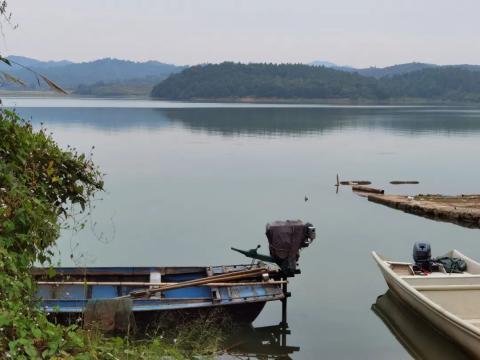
(33, 63)
(388, 71)
(86, 77)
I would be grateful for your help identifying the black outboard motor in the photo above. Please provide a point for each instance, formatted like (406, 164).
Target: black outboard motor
(422, 255)
(285, 239)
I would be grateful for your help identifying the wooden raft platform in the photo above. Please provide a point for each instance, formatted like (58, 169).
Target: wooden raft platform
(463, 210)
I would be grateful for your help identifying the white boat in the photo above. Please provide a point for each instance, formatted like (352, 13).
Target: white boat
(449, 301)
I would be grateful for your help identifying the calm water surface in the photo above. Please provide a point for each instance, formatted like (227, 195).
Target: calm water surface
(185, 182)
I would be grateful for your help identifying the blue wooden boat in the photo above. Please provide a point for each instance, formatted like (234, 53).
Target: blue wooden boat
(155, 293)
(66, 295)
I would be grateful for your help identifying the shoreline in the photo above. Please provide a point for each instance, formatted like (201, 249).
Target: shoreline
(246, 100)
(327, 101)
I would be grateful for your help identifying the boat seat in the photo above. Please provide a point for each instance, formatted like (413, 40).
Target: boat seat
(402, 269)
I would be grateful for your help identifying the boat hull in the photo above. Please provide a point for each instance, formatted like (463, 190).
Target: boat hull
(465, 336)
(243, 313)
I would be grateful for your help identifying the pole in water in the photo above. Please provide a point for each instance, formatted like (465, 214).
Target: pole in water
(284, 323)
(286, 294)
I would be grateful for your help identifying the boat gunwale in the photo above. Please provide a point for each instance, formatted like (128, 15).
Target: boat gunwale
(134, 270)
(451, 318)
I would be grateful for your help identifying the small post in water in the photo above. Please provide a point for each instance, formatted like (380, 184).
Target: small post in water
(284, 322)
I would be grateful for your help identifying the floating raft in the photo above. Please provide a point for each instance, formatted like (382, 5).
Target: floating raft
(463, 210)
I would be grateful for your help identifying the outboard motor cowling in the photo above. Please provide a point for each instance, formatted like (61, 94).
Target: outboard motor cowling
(422, 255)
(285, 239)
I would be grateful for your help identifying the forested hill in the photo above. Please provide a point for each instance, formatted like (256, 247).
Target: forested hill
(236, 80)
(295, 81)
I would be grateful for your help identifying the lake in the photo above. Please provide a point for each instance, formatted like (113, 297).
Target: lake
(185, 182)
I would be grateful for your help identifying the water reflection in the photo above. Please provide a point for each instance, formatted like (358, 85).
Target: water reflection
(266, 121)
(417, 336)
(262, 343)
(296, 121)
(109, 119)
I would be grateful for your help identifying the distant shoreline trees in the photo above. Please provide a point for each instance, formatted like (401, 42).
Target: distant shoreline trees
(230, 80)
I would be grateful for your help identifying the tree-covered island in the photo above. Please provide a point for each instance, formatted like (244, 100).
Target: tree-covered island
(296, 82)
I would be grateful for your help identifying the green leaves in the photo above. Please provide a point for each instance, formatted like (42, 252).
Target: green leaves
(4, 319)
(51, 272)
(8, 226)
(36, 332)
(75, 339)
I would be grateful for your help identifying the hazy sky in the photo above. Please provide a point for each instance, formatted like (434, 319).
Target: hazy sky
(351, 32)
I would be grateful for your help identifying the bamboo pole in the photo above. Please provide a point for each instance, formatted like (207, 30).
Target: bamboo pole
(209, 279)
(128, 283)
